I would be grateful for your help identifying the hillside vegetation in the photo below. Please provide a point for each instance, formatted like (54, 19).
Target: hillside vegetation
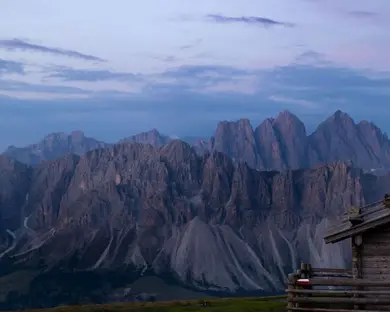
(263, 304)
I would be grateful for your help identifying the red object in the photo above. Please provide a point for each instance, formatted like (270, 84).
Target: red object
(303, 282)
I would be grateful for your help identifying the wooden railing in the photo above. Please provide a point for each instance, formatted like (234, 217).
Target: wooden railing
(334, 290)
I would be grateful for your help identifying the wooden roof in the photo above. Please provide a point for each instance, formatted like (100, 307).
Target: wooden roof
(359, 220)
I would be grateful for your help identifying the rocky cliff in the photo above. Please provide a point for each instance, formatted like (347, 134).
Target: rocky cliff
(277, 143)
(53, 146)
(208, 222)
(152, 137)
(282, 143)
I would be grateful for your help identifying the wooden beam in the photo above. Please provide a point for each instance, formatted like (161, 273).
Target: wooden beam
(376, 271)
(356, 258)
(345, 275)
(357, 263)
(372, 207)
(376, 261)
(330, 270)
(347, 282)
(339, 292)
(292, 278)
(331, 310)
(382, 218)
(356, 301)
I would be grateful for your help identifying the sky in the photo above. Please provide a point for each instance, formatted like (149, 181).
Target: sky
(115, 68)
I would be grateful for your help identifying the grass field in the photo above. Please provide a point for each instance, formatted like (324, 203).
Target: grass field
(260, 304)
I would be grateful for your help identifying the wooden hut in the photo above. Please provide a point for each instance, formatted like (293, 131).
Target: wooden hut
(366, 285)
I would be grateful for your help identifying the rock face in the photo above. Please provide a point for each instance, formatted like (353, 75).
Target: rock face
(53, 146)
(282, 143)
(56, 145)
(206, 221)
(276, 144)
(339, 137)
(152, 137)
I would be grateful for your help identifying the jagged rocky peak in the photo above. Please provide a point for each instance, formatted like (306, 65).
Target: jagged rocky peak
(339, 138)
(277, 143)
(281, 142)
(77, 135)
(370, 130)
(55, 136)
(339, 118)
(339, 114)
(290, 122)
(265, 126)
(153, 137)
(286, 115)
(54, 145)
(178, 149)
(236, 139)
(242, 124)
(339, 123)
(10, 147)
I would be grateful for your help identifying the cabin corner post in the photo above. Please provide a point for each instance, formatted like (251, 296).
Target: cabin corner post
(292, 280)
(357, 262)
(303, 273)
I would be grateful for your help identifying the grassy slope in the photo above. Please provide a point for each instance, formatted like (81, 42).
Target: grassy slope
(266, 304)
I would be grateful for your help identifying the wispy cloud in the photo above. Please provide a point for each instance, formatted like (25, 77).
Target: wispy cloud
(201, 77)
(191, 45)
(11, 67)
(311, 57)
(203, 71)
(166, 59)
(250, 20)
(12, 85)
(293, 101)
(18, 44)
(70, 74)
(363, 14)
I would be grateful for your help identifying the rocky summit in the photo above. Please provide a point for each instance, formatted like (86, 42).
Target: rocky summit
(283, 143)
(207, 222)
(276, 144)
(54, 145)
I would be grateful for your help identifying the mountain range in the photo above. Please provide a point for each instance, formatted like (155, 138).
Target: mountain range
(277, 143)
(85, 221)
(207, 222)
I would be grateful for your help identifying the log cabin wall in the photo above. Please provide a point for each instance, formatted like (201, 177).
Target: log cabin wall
(375, 253)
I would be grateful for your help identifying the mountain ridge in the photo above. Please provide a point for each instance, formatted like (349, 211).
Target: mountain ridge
(136, 207)
(278, 143)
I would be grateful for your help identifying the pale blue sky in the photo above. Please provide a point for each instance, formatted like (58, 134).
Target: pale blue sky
(181, 66)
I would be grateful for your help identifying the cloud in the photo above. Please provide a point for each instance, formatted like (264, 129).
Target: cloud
(327, 78)
(292, 101)
(13, 85)
(202, 79)
(166, 59)
(18, 44)
(363, 14)
(250, 20)
(224, 93)
(70, 74)
(321, 90)
(191, 45)
(304, 85)
(309, 57)
(204, 71)
(11, 67)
